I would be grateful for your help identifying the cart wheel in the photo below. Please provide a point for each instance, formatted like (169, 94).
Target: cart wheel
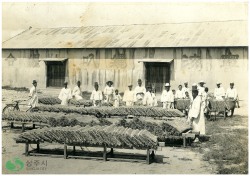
(9, 108)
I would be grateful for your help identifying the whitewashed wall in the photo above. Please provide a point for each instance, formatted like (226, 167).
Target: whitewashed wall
(90, 65)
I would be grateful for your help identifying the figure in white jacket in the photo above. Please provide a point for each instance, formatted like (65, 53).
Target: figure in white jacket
(196, 114)
(167, 97)
(65, 94)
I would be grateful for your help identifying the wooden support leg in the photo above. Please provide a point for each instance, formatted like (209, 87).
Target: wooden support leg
(153, 155)
(74, 150)
(112, 153)
(12, 125)
(184, 141)
(26, 149)
(65, 151)
(225, 114)
(23, 127)
(148, 155)
(104, 153)
(38, 147)
(34, 126)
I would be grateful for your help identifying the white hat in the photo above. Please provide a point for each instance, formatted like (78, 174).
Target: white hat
(218, 83)
(167, 85)
(202, 81)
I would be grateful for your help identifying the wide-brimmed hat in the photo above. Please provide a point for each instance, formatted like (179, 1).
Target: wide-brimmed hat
(167, 85)
(111, 82)
(34, 81)
(218, 83)
(202, 82)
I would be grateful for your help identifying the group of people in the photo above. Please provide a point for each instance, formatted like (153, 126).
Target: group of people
(146, 96)
(139, 96)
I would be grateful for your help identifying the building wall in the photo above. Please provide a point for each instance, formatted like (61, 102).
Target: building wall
(123, 66)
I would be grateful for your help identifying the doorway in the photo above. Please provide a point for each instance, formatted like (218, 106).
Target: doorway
(56, 73)
(157, 74)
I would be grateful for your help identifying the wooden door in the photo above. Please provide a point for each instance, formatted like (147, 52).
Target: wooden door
(56, 74)
(157, 74)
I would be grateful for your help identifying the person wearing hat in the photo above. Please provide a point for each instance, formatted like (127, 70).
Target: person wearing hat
(139, 92)
(117, 98)
(96, 95)
(149, 98)
(196, 114)
(129, 96)
(186, 88)
(33, 95)
(232, 94)
(219, 92)
(77, 93)
(108, 92)
(201, 88)
(65, 95)
(167, 97)
(180, 94)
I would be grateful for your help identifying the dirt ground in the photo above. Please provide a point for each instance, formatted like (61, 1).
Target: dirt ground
(169, 160)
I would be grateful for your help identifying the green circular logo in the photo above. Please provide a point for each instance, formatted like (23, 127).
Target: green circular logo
(14, 165)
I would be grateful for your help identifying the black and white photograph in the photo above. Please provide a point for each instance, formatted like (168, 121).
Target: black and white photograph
(125, 87)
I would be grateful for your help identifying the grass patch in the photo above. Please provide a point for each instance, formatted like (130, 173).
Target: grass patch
(228, 146)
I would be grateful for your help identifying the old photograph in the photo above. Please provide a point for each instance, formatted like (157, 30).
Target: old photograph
(125, 87)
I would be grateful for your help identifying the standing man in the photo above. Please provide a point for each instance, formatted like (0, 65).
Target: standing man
(77, 93)
(139, 92)
(33, 95)
(180, 94)
(196, 115)
(186, 88)
(129, 96)
(149, 98)
(167, 97)
(96, 95)
(109, 92)
(219, 92)
(65, 94)
(232, 95)
(201, 88)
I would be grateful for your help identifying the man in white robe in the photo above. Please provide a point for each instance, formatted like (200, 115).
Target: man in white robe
(77, 93)
(196, 114)
(201, 88)
(180, 94)
(129, 96)
(33, 95)
(149, 98)
(139, 92)
(109, 92)
(186, 88)
(232, 94)
(167, 97)
(96, 95)
(219, 92)
(65, 95)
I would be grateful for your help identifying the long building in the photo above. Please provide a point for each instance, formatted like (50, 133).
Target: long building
(156, 53)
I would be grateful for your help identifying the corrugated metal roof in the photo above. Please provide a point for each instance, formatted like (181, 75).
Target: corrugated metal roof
(202, 34)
